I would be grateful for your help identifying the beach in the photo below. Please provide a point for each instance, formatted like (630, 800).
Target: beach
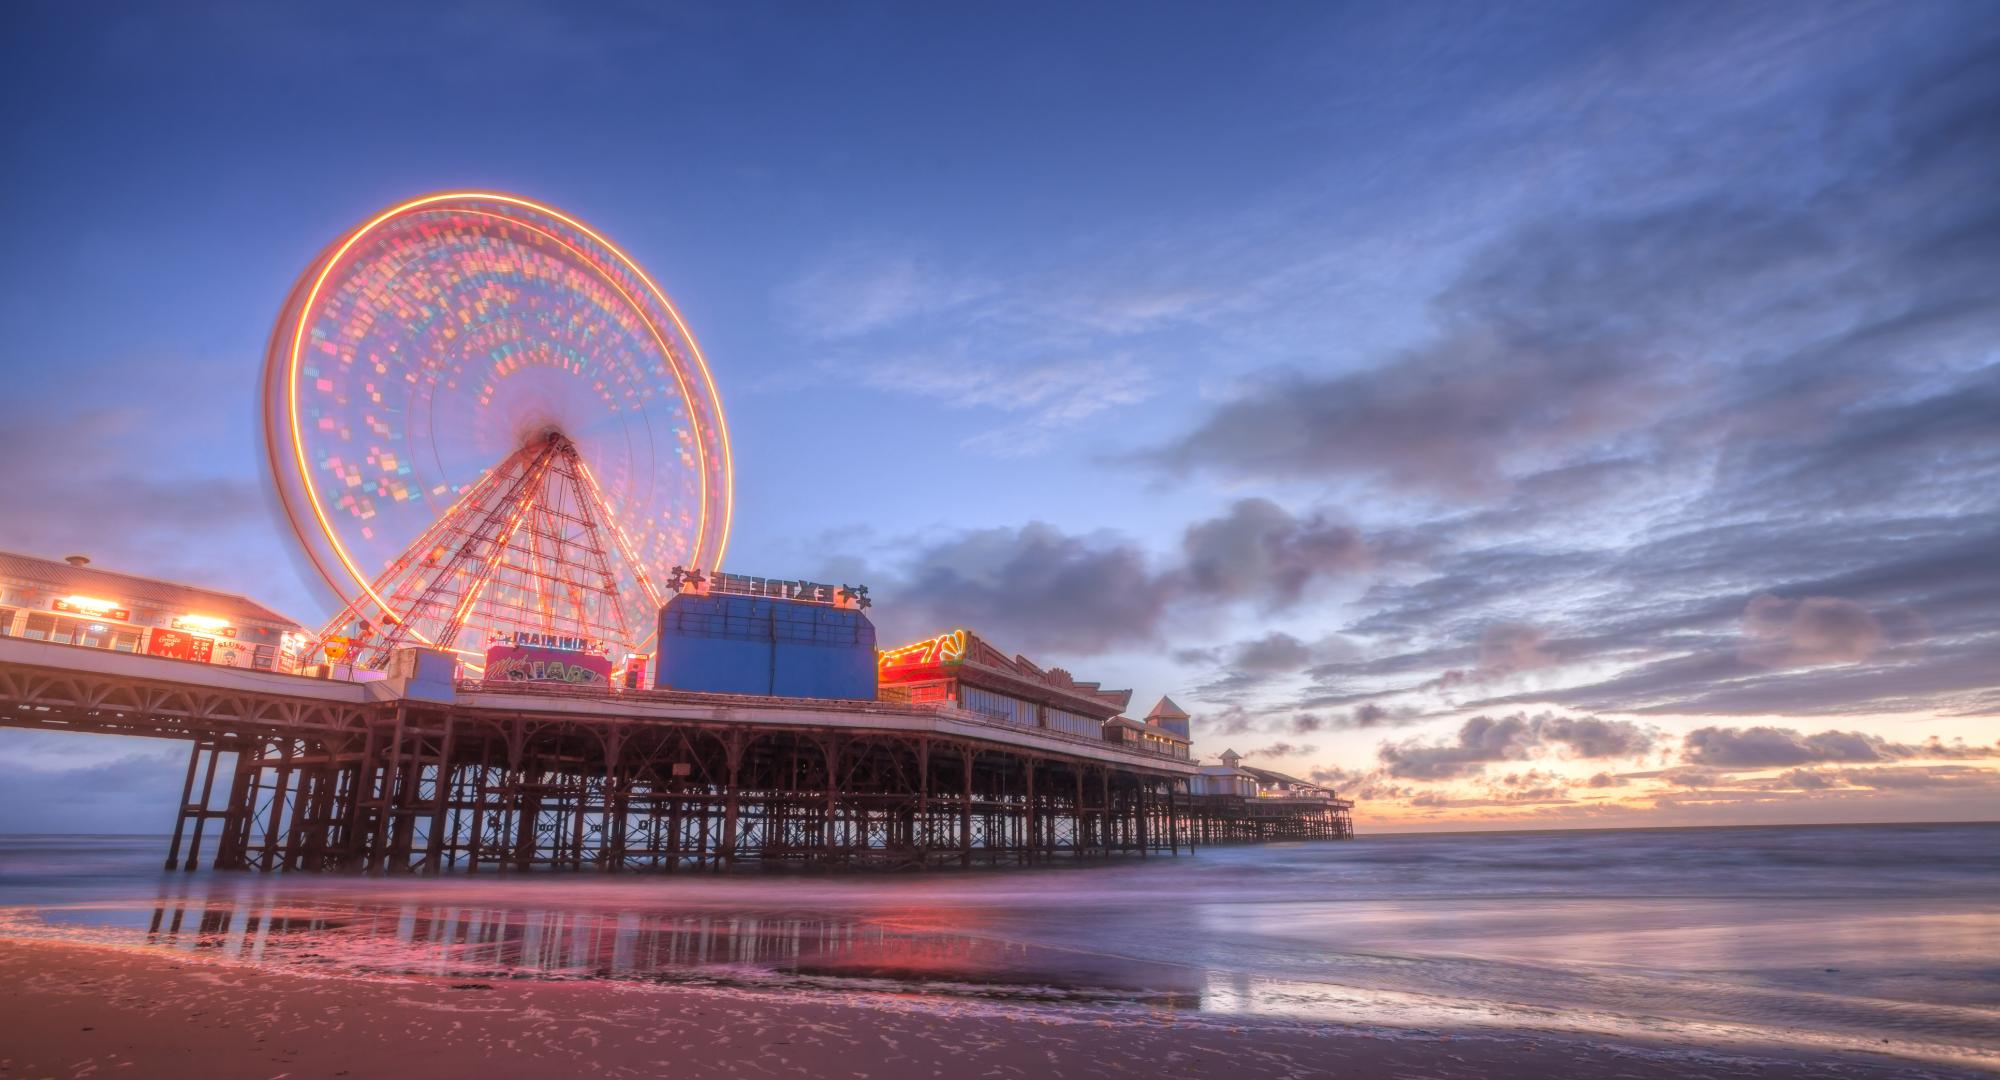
(1778, 952)
(76, 1011)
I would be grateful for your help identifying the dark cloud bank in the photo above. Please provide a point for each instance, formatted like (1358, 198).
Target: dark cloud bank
(1040, 590)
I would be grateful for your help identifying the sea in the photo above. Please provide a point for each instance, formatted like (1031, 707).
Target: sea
(1882, 938)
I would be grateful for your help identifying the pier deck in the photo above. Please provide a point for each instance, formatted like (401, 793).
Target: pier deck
(289, 772)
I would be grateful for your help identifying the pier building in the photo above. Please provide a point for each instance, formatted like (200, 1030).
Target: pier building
(71, 602)
(965, 756)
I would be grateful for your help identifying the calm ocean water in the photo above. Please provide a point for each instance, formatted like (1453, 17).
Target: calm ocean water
(1878, 937)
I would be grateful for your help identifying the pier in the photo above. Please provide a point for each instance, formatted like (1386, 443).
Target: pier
(422, 772)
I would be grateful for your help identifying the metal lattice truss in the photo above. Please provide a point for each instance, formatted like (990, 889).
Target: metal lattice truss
(287, 773)
(531, 546)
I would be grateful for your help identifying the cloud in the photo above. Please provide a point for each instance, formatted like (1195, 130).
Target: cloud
(905, 325)
(1687, 776)
(1809, 779)
(1531, 785)
(1367, 715)
(1590, 737)
(1905, 778)
(1053, 396)
(1233, 720)
(1921, 778)
(1484, 740)
(1281, 749)
(866, 288)
(1252, 664)
(1794, 398)
(75, 782)
(1504, 649)
(1034, 589)
(1260, 551)
(1275, 652)
(1767, 747)
(1450, 418)
(1510, 647)
(183, 517)
(1810, 630)
(1051, 590)
(1248, 666)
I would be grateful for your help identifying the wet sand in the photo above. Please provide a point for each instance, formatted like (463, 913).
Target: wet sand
(70, 1010)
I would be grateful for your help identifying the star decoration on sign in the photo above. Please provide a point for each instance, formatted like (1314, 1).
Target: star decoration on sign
(856, 594)
(684, 579)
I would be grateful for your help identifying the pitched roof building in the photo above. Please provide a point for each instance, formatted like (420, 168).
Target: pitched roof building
(1170, 716)
(70, 602)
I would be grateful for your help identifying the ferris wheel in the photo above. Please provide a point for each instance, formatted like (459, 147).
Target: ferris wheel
(484, 418)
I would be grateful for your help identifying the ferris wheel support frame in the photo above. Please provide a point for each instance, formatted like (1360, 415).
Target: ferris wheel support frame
(453, 563)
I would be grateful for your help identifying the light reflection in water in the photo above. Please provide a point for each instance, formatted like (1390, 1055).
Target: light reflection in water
(914, 948)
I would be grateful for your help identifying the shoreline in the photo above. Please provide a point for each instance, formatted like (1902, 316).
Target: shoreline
(76, 1009)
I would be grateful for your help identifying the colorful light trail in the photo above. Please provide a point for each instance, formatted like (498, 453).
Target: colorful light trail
(433, 341)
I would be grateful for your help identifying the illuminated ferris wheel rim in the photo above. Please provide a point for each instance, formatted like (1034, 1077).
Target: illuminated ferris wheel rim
(332, 257)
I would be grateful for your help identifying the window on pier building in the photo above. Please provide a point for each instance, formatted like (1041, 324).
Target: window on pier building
(998, 706)
(43, 626)
(914, 693)
(1071, 723)
(6, 622)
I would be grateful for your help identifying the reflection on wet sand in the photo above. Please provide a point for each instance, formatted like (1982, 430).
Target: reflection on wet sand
(1872, 938)
(913, 949)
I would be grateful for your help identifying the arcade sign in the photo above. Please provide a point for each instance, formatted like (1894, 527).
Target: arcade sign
(807, 592)
(546, 666)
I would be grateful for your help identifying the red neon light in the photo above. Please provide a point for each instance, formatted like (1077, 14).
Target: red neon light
(946, 648)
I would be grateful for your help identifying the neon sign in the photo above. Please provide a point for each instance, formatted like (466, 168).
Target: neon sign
(91, 606)
(943, 649)
(808, 592)
(522, 669)
(529, 639)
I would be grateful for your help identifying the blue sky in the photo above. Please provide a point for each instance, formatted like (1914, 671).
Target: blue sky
(1406, 389)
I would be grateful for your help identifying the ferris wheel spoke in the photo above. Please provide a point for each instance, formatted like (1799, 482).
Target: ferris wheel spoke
(460, 329)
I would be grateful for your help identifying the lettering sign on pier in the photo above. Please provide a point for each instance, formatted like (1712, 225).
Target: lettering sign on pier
(553, 667)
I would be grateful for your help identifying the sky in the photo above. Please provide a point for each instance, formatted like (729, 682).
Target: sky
(1516, 416)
